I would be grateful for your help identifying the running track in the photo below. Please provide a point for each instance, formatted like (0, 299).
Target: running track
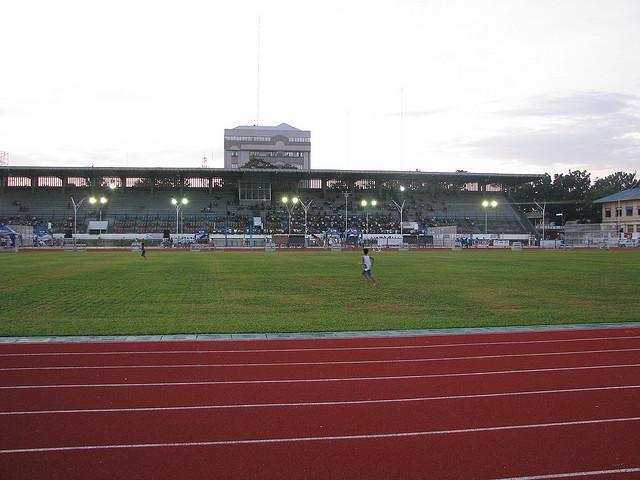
(536, 405)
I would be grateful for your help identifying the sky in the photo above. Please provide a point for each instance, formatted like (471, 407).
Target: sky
(506, 86)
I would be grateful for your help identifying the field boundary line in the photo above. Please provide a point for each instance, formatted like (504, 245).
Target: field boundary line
(329, 349)
(317, 380)
(314, 335)
(337, 362)
(320, 439)
(319, 404)
(574, 474)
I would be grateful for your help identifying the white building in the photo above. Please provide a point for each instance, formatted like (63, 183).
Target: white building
(280, 146)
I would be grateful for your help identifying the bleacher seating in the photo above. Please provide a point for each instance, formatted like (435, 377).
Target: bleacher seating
(142, 211)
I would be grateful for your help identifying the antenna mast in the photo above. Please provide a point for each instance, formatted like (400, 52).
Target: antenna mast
(402, 129)
(258, 79)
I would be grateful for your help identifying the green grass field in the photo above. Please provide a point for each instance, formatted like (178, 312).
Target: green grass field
(120, 293)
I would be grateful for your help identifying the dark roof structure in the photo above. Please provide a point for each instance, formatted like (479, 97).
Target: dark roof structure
(630, 194)
(461, 177)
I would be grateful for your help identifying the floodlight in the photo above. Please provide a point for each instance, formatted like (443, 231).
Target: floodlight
(92, 200)
(112, 186)
(363, 203)
(294, 200)
(485, 203)
(174, 201)
(185, 201)
(402, 188)
(494, 204)
(559, 214)
(103, 200)
(374, 203)
(285, 199)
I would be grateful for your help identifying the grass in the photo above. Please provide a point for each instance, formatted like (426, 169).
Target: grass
(120, 293)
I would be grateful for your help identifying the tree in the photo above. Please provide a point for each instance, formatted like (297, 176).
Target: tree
(255, 162)
(573, 193)
(602, 187)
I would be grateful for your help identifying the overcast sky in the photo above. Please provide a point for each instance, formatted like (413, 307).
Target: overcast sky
(485, 86)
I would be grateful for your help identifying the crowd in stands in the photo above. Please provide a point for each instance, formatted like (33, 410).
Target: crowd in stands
(234, 223)
(225, 214)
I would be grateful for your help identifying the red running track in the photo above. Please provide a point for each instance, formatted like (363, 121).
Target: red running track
(554, 404)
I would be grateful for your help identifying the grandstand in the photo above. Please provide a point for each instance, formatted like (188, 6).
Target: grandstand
(229, 200)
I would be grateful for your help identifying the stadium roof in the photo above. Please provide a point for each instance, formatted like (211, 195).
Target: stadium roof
(631, 194)
(507, 179)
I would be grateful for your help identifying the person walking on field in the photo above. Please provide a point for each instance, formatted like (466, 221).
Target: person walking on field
(367, 265)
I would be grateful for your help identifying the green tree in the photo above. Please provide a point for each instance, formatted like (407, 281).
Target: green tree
(602, 187)
(255, 162)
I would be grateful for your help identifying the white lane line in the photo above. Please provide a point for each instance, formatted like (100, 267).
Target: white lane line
(332, 349)
(339, 362)
(327, 403)
(314, 380)
(575, 474)
(319, 439)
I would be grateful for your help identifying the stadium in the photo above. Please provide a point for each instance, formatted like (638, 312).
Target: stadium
(388, 306)
(242, 289)
(228, 320)
(246, 204)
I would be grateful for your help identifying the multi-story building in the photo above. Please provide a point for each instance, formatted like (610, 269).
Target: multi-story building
(281, 146)
(623, 209)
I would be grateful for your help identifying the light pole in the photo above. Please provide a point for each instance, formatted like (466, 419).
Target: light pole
(561, 215)
(294, 201)
(346, 214)
(400, 208)
(305, 206)
(103, 201)
(364, 204)
(76, 207)
(543, 209)
(178, 204)
(486, 204)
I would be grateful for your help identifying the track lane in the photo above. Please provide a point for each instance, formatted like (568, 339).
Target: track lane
(357, 457)
(475, 455)
(301, 371)
(63, 430)
(206, 394)
(314, 355)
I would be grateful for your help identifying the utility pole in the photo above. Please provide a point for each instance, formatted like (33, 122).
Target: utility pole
(346, 214)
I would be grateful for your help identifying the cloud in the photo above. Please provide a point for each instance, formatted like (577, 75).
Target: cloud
(586, 104)
(593, 130)
(418, 113)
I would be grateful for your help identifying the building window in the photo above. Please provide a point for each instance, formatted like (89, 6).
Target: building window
(629, 228)
(618, 211)
(255, 191)
(49, 182)
(638, 210)
(234, 154)
(235, 138)
(607, 212)
(234, 165)
(638, 228)
(18, 181)
(629, 210)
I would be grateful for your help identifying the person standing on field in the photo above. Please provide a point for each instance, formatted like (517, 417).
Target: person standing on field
(143, 252)
(367, 265)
